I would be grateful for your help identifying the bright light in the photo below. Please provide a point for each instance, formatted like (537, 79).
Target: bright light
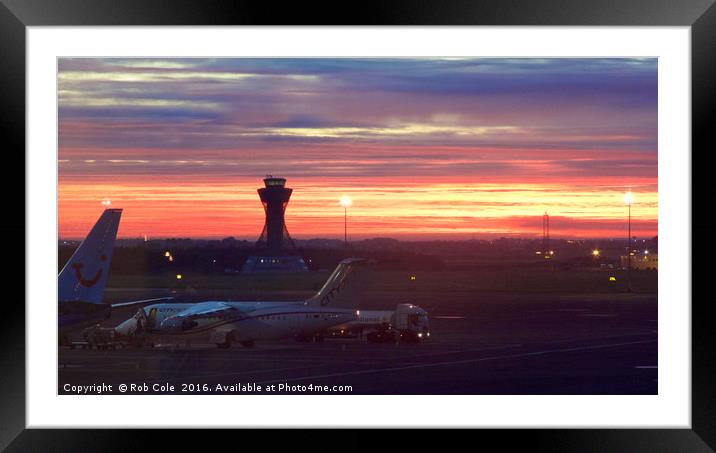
(106, 202)
(595, 252)
(551, 252)
(346, 201)
(420, 335)
(357, 312)
(167, 254)
(628, 198)
(646, 252)
(612, 279)
(178, 276)
(412, 277)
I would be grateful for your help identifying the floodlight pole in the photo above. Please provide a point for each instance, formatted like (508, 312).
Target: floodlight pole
(345, 226)
(345, 202)
(629, 289)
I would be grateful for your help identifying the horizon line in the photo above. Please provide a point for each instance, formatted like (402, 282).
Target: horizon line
(445, 237)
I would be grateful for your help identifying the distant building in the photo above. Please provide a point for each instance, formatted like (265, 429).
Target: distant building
(274, 264)
(641, 260)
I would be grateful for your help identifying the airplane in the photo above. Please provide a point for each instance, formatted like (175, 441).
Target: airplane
(81, 282)
(246, 322)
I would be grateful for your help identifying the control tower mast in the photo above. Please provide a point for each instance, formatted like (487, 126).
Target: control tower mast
(274, 197)
(275, 241)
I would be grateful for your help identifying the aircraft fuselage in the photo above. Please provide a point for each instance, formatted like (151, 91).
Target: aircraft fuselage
(248, 321)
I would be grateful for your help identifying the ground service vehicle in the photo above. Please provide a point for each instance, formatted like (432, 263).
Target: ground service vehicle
(407, 322)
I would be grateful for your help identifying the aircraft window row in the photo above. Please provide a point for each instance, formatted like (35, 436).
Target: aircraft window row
(268, 317)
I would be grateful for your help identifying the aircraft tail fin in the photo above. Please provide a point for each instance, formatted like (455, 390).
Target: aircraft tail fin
(84, 276)
(342, 289)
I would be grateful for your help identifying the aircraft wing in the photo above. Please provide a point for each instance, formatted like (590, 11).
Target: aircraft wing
(206, 309)
(187, 319)
(139, 302)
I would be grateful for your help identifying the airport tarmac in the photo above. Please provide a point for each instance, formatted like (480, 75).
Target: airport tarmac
(496, 344)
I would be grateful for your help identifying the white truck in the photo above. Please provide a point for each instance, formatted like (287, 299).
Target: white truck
(408, 322)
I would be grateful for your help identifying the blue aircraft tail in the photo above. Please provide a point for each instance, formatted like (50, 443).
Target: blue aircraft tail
(85, 275)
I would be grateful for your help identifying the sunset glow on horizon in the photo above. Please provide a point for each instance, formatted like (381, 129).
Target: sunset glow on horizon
(424, 148)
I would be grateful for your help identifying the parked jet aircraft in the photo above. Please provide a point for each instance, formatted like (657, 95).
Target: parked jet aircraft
(247, 322)
(81, 282)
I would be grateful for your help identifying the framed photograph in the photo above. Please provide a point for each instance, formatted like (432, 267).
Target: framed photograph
(360, 226)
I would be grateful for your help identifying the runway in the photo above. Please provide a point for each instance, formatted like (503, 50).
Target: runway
(497, 345)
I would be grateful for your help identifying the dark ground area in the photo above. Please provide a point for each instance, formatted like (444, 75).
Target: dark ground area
(481, 343)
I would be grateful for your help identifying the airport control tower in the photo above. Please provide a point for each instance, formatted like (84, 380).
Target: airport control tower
(274, 196)
(275, 241)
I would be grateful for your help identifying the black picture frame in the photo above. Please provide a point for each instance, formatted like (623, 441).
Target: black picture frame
(16, 15)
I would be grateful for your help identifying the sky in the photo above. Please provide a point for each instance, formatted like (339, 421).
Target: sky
(428, 148)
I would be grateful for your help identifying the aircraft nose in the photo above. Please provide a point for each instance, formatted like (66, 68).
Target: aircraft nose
(128, 327)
